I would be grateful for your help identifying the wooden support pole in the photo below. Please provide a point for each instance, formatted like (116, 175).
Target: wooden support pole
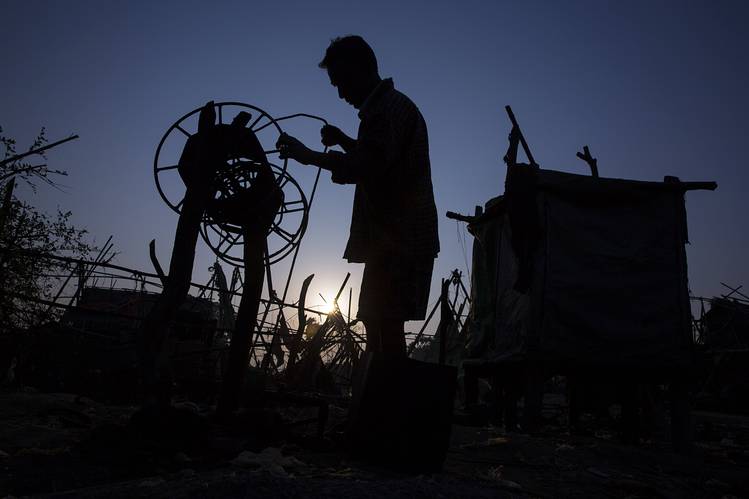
(155, 326)
(515, 125)
(445, 319)
(155, 262)
(592, 162)
(241, 340)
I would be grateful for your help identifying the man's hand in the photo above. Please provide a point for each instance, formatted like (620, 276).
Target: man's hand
(331, 136)
(291, 148)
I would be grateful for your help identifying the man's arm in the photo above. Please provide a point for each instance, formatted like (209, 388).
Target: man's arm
(333, 136)
(369, 157)
(347, 143)
(292, 148)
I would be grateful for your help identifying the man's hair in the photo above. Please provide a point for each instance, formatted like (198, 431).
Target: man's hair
(349, 52)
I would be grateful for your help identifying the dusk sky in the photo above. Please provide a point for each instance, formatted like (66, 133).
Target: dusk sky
(654, 88)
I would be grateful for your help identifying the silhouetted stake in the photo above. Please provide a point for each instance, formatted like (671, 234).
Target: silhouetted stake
(457, 279)
(311, 354)
(445, 319)
(460, 326)
(154, 328)
(348, 315)
(734, 290)
(437, 304)
(527, 149)
(296, 341)
(280, 329)
(224, 295)
(99, 260)
(592, 162)
(254, 275)
(155, 262)
(420, 334)
(105, 256)
(85, 272)
(338, 295)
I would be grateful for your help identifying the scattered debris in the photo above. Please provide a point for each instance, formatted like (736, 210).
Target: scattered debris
(270, 459)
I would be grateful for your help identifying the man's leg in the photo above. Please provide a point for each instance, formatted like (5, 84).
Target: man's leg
(393, 338)
(395, 288)
(386, 336)
(374, 338)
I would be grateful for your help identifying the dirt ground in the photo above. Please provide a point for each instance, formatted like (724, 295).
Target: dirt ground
(61, 445)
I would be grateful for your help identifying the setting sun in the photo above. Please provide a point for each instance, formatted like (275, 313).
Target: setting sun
(327, 307)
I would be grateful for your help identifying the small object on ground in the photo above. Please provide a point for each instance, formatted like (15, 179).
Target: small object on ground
(598, 473)
(270, 459)
(497, 441)
(151, 482)
(495, 475)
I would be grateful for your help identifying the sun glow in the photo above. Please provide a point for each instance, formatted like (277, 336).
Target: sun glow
(327, 307)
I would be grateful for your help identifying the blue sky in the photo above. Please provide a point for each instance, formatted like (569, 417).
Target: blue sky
(653, 87)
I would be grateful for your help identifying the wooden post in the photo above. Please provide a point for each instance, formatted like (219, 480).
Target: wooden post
(445, 319)
(155, 326)
(527, 149)
(302, 318)
(241, 339)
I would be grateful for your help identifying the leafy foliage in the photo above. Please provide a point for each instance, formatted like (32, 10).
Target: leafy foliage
(27, 278)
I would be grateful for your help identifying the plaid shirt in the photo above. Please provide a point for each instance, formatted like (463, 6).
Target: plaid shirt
(394, 212)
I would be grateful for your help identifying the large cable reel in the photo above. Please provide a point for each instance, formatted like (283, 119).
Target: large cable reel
(236, 175)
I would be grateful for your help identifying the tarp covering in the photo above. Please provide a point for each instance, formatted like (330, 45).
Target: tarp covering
(582, 270)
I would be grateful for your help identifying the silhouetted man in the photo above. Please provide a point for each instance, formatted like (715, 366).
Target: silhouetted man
(394, 219)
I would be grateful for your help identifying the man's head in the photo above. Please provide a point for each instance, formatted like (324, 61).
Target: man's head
(352, 68)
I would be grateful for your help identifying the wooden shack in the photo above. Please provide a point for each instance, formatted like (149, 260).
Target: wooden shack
(574, 272)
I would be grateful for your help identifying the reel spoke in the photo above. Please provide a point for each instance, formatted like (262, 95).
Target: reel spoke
(254, 123)
(214, 229)
(220, 244)
(256, 130)
(285, 210)
(188, 134)
(282, 233)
